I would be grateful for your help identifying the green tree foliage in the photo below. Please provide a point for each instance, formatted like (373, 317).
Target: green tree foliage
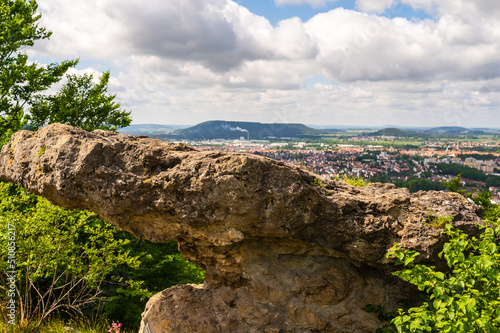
(469, 173)
(413, 185)
(493, 181)
(62, 256)
(161, 266)
(81, 103)
(465, 171)
(72, 260)
(417, 184)
(477, 156)
(68, 260)
(493, 213)
(20, 80)
(455, 184)
(383, 178)
(464, 298)
(481, 198)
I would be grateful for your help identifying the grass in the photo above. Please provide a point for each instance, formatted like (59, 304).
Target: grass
(357, 182)
(318, 182)
(438, 222)
(56, 325)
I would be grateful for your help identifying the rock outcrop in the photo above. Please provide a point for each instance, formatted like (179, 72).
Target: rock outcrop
(284, 250)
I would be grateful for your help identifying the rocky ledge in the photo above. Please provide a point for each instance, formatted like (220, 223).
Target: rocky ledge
(284, 250)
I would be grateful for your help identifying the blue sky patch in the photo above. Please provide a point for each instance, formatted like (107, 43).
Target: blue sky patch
(274, 13)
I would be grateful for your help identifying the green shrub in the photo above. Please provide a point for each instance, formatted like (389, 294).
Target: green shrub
(462, 299)
(358, 182)
(70, 260)
(465, 298)
(437, 222)
(62, 256)
(161, 266)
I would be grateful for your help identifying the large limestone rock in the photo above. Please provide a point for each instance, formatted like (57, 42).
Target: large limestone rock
(281, 252)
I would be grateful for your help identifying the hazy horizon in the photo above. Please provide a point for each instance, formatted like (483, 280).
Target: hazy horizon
(319, 126)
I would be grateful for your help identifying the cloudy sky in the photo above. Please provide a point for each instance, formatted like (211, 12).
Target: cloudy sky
(324, 62)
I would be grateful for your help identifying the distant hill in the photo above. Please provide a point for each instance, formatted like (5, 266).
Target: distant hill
(219, 129)
(149, 129)
(437, 132)
(476, 132)
(456, 130)
(398, 133)
(448, 130)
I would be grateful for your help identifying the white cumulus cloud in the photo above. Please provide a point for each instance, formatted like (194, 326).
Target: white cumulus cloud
(178, 61)
(377, 6)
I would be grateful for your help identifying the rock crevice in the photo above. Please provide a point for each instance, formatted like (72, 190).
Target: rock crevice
(284, 250)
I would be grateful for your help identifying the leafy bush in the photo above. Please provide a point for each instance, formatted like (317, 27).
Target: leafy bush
(438, 222)
(463, 299)
(62, 256)
(71, 260)
(358, 182)
(455, 184)
(161, 266)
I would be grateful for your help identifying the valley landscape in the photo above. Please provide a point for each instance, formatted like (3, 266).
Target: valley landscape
(419, 159)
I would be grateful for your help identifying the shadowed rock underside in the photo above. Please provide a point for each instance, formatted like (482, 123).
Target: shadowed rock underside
(284, 250)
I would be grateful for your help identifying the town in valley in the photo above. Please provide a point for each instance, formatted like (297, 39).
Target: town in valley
(417, 161)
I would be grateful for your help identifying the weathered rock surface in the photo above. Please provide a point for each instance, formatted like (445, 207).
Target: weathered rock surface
(281, 253)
